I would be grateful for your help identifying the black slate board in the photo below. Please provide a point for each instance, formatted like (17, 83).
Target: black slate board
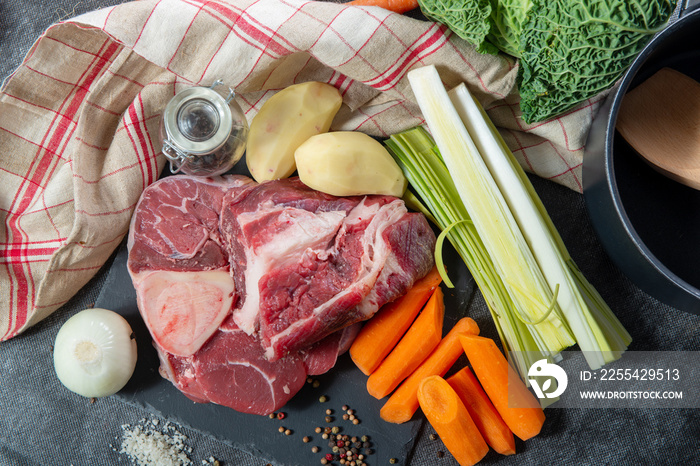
(259, 435)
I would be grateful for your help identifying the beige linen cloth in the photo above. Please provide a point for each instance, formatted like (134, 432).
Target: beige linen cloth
(79, 119)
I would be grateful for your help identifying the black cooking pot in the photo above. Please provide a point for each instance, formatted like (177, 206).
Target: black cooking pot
(649, 224)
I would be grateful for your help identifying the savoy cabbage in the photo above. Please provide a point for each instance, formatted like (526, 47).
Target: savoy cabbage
(569, 50)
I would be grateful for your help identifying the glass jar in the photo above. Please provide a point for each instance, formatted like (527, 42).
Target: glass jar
(203, 130)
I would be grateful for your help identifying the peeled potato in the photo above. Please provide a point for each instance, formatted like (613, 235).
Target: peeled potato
(284, 122)
(348, 163)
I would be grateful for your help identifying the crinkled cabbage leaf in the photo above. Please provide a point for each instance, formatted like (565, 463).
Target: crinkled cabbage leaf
(569, 50)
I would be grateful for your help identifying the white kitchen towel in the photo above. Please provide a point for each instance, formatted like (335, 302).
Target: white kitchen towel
(79, 119)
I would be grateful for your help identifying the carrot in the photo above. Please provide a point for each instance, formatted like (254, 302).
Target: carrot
(516, 405)
(403, 403)
(381, 333)
(420, 340)
(451, 420)
(397, 6)
(490, 423)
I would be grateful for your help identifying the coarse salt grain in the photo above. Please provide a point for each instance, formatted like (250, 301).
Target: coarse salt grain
(145, 445)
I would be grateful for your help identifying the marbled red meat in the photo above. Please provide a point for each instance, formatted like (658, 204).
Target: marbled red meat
(248, 288)
(320, 357)
(231, 370)
(316, 260)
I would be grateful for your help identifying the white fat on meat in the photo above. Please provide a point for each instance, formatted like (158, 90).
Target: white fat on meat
(303, 231)
(183, 309)
(373, 258)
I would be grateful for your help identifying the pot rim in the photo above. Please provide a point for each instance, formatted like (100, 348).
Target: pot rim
(610, 111)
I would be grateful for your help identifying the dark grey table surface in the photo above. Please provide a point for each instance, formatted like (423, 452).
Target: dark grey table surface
(43, 423)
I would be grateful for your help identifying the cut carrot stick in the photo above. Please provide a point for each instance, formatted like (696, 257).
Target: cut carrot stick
(485, 416)
(420, 340)
(381, 333)
(397, 6)
(403, 403)
(449, 417)
(517, 406)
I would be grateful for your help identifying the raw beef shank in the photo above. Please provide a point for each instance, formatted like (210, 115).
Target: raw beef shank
(248, 288)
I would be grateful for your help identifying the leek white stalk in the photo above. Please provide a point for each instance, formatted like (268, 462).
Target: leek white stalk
(557, 266)
(423, 166)
(493, 220)
(95, 353)
(540, 301)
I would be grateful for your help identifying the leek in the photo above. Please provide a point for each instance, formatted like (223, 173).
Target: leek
(586, 317)
(493, 221)
(418, 157)
(485, 204)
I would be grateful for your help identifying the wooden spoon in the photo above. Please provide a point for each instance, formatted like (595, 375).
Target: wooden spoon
(660, 119)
